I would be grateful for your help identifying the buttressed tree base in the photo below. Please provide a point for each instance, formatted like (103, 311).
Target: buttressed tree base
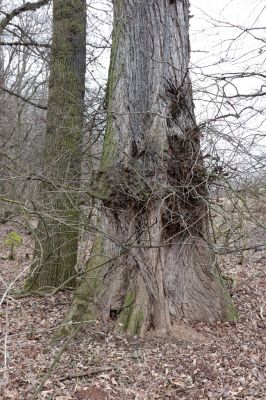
(151, 263)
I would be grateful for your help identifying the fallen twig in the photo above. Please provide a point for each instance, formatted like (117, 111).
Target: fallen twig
(89, 372)
(262, 312)
(54, 363)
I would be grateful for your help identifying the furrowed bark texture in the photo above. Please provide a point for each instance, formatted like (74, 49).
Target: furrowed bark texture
(57, 232)
(154, 223)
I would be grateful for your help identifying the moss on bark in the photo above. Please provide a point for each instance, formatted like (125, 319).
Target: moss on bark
(85, 305)
(58, 229)
(154, 223)
(109, 153)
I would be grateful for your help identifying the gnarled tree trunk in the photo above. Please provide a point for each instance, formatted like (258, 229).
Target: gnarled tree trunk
(57, 232)
(151, 263)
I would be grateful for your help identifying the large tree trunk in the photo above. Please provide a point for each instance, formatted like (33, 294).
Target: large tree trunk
(57, 232)
(153, 225)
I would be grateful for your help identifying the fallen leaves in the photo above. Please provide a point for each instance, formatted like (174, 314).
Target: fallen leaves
(93, 393)
(203, 361)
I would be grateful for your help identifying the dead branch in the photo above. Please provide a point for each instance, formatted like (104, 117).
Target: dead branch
(89, 372)
(19, 10)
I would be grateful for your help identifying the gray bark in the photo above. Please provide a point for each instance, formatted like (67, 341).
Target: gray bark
(154, 221)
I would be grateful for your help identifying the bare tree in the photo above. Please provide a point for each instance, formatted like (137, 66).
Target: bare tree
(23, 85)
(19, 10)
(58, 229)
(151, 263)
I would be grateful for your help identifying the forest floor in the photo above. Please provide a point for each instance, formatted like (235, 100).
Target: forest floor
(206, 361)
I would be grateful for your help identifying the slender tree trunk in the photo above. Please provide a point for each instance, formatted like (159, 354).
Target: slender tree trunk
(151, 263)
(3, 138)
(57, 232)
(7, 142)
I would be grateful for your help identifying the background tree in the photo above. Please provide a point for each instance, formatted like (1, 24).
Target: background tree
(58, 228)
(23, 88)
(151, 262)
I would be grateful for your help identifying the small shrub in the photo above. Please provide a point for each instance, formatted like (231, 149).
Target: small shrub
(13, 240)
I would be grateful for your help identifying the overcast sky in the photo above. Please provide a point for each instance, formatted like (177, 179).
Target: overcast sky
(220, 45)
(214, 26)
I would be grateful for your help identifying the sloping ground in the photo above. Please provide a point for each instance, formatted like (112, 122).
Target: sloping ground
(218, 361)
